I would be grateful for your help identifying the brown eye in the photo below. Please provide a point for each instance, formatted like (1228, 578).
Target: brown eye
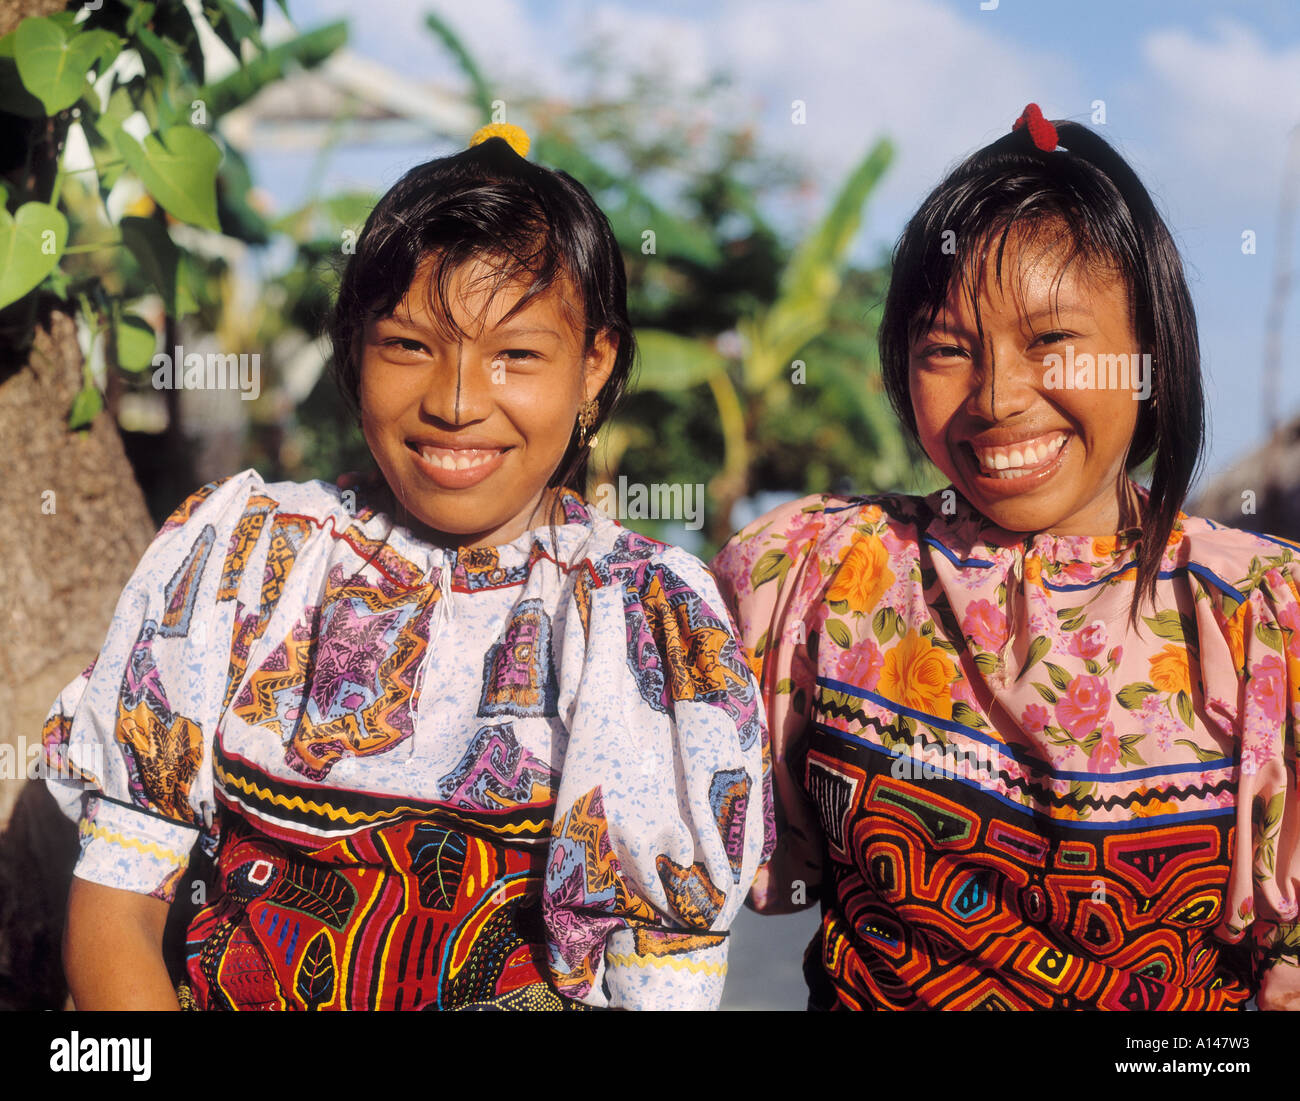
(402, 344)
(943, 351)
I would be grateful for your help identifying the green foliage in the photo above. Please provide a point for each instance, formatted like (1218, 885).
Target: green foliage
(53, 63)
(31, 241)
(179, 169)
(56, 234)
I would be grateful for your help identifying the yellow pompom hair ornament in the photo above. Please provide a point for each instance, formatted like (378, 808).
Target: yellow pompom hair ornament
(514, 136)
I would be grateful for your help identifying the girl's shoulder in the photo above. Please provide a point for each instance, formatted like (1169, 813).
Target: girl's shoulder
(637, 562)
(1234, 563)
(822, 525)
(247, 491)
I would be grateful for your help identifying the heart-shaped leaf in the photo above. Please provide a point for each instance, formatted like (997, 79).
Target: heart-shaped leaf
(180, 171)
(31, 242)
(14, 95)
(53, 63)
(136, 342)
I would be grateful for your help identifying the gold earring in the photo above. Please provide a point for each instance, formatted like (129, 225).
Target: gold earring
(587, 416)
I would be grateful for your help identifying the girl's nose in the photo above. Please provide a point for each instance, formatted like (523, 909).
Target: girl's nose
(459, 389)
(1006, 384)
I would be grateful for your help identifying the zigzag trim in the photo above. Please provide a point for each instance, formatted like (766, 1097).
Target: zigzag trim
(352, 818)
(172, 856)
(1111, 801)
(695, 967)
(1017, 753)
(1044, 795)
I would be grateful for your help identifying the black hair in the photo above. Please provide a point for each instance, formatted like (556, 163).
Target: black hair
(534, 225)
(1111, 223)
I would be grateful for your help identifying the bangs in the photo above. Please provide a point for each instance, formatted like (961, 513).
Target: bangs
(515, 255)
(1035, 229)
(984, 252)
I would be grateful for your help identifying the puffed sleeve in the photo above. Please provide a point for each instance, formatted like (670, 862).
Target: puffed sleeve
(660, 820)
(128, 741)
(1263, 646)
(773, 575)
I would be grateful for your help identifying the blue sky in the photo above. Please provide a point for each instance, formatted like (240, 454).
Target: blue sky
(1199, 96)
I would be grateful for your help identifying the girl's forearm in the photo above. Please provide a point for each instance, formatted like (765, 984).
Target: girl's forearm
(112, 949)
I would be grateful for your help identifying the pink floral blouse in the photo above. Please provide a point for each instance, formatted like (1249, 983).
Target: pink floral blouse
(1006, 796)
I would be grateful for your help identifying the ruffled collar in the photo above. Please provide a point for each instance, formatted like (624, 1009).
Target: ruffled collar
(474, 568)
(967, 538)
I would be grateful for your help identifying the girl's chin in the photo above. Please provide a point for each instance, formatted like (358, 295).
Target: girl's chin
(476, 519)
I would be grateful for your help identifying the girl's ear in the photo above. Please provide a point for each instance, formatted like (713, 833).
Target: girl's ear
(599, 363)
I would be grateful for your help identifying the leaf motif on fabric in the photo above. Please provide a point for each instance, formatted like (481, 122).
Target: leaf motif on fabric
(316, 891)
(438, 860)
(314, 982)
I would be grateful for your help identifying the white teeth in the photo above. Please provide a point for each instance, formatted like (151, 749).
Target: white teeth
(459, 460)
(1010, 463)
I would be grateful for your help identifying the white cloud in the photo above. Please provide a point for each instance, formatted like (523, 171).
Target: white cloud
(1225, 105)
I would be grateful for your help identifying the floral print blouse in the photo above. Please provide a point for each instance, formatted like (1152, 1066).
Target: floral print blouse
(523, 776)
(1004, 794)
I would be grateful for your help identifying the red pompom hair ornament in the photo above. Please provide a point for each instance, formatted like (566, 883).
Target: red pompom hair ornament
(1041, 131)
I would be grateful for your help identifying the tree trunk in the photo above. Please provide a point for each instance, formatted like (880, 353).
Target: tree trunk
(76, 525)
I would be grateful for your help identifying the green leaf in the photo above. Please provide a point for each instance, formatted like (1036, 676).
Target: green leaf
(773, 565)
(1044, 691)
(839, 634)
(811, 280)
(84, 407)
(1271, 636)
(53, 64)
(962, 712)
(240, 25)
(760, 647)
(160, 260)
(1128, 754)
(1131, 695)
(882, 626)
(1037, 649)
(1184, 703)
(1174, 626)
(307, 50)
(1059, 676)
(161, 58)
(1201, 754)
(669, 361)
(142, 11)
(136, 342)
(180, 171)
(1273, 812)
(784, 685)
(986, 663)
(1092, 667)
(14, 95)
(31, 242)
